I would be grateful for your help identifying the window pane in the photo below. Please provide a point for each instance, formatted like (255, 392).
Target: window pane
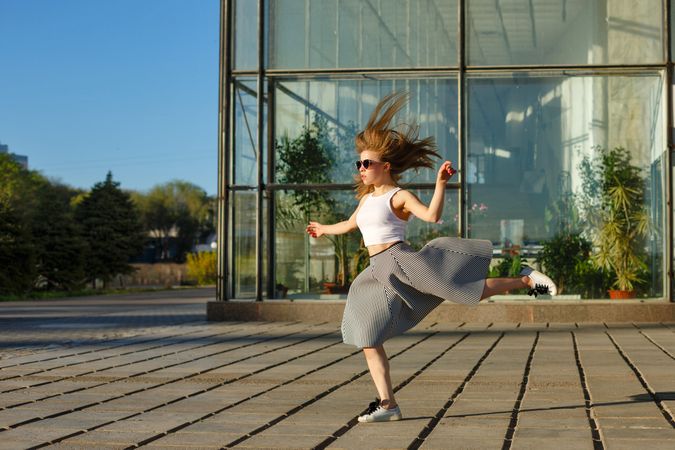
(362, 34)
(244, 270)
(246, 133)
(513, 32)
(311, 267)
(246, 34)
(530, 140)
(306, 265)
(333, 111)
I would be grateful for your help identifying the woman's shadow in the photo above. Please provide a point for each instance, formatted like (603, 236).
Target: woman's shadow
(637, 398)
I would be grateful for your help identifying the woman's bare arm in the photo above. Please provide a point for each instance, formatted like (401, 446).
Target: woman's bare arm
(316, 229)
(433, 212)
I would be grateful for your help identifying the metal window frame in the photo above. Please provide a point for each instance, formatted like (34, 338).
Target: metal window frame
(266, 78)
(224, 131)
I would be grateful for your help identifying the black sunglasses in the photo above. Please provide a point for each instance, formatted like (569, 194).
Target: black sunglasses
(365, 163)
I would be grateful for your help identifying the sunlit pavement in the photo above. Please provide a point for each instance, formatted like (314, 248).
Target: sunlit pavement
(148, 370)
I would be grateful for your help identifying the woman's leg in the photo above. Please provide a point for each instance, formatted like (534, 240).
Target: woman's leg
(378, 364)
(495, 286)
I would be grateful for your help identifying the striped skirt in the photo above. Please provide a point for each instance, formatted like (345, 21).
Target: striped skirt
(401, 286)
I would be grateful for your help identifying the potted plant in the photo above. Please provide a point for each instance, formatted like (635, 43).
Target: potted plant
(619, 218)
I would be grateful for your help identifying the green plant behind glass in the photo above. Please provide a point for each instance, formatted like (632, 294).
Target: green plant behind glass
(311, 158)
(566, 258)
(613, 194)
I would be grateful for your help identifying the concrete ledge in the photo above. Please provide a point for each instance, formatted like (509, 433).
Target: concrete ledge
(524, 312)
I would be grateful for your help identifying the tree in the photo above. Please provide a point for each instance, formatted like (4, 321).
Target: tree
(307, 159)
(313, 158)
(177, 209)
(18, 199)
(58, 239)
(17, 256)
(111, 229)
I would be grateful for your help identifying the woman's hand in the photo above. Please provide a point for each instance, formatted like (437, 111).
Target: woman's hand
(315, 229)
(445, 172)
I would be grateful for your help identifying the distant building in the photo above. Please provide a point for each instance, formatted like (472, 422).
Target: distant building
(21, 159)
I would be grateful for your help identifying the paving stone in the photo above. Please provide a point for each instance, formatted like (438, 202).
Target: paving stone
(553, 443)
(633, 444)
(463, 443)
(194, 440)
(281, 441)
(552, 433)
(639, 433)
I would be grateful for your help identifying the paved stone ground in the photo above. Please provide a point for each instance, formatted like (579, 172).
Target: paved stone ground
(149, 371)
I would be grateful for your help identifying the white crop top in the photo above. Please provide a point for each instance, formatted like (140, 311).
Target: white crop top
(377, 221)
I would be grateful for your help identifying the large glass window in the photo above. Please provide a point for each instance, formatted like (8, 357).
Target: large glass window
(540, 32)
(308, 34)
(333, 111)
(534, 146)
(315, 125)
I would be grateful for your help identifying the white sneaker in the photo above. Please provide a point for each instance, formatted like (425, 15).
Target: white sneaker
(376, 413)
(542, 283)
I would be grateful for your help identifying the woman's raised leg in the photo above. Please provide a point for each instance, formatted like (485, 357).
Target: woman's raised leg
(378, 364)
(494, 286)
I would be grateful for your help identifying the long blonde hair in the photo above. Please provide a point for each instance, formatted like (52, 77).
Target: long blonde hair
(399, 145)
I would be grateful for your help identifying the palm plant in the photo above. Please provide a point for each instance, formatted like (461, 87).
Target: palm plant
(614, 193)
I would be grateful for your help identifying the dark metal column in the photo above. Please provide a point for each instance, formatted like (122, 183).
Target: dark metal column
(668, 257)
(260, 194)
(271, 207)
(461, 120)
(224, 78)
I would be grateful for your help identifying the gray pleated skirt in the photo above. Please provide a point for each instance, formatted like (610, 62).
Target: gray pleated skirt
(401, 286)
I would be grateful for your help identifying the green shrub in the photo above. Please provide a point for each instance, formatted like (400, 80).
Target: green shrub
(509, 267)
(566, 259)
(201, 267)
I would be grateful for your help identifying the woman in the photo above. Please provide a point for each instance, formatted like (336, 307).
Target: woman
(401, 286)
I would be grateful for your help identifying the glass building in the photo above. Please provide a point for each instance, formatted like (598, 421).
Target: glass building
(540, 104)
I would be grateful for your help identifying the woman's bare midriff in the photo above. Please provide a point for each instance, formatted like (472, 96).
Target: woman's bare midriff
(377, 248)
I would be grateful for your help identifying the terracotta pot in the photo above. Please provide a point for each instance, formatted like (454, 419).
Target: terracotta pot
(334, 288)
(621, 295)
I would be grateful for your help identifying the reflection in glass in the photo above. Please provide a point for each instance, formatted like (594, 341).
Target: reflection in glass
(333, 111)
(528, 139)
(569, 32)
(362, 33)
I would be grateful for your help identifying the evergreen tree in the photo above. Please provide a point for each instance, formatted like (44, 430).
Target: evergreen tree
(111, 229)
(17, 256)
(58, 240)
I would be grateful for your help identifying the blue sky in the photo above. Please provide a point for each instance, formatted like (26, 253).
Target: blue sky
(130, 86)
